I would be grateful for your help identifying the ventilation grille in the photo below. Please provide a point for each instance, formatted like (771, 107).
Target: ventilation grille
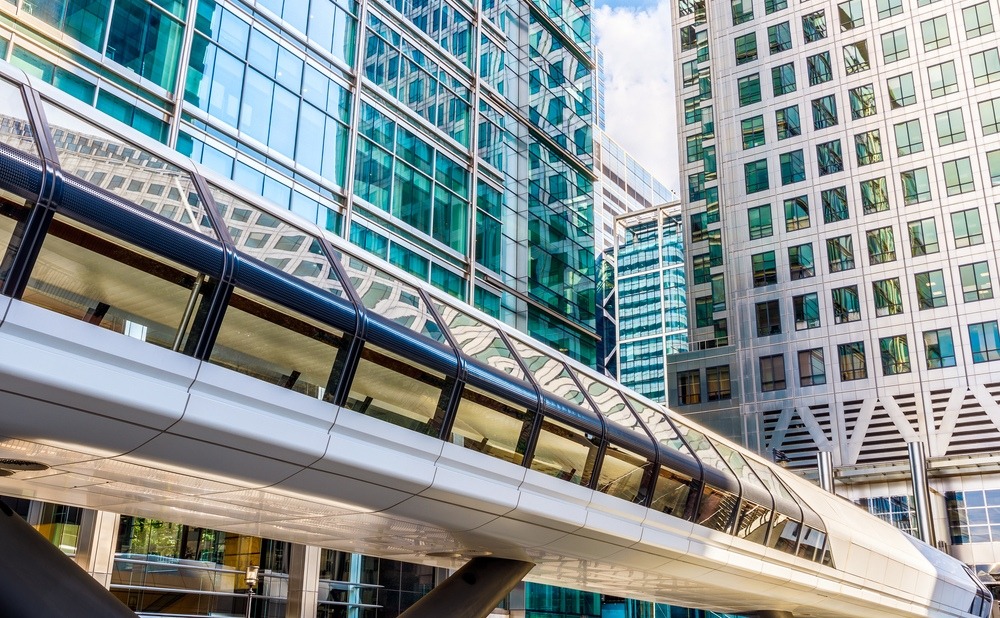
(974, 432)
(797, 444)
(882, 441)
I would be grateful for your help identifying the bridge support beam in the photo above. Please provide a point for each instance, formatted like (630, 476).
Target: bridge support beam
(39, 581)
(473, 591)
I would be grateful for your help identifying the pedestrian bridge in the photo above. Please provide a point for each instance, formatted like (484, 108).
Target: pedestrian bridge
(174, 347)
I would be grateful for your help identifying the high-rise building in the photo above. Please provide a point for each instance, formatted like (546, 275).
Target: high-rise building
(839, 162)
(623, 186)
(452, 138)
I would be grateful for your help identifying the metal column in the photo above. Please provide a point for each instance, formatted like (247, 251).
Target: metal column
(39, 581)
(473, 591)
(824, 462)
(921, 491)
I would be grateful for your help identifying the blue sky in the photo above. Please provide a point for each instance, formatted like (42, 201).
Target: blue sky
(640, 97)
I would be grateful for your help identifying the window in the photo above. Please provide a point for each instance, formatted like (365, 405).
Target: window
(792, 166)
(753, 132)
(939, 348)
(851, 15)
(916, 186)
(846, 304)
(840, 253)
(755, 176)
(967, 227)
(978, 20)
(768, 318)
(783, 79)
(806, 309)
(868, 146)
(856, 57)
(797, 213)
(895, 353)
(820, 69)
(888, 8)
(746, 48)
(828, 158)
(909, 139)
(699, 226)
(881, 245)
(764, 270)
(718, 292)
(772, 373)
(976, 283)
(942, 79)
(863, 101)
(895, 46)
(901, 91)
(814, 26)
(703, 311)
(824, 112)
(989, 116)
(984, 339)
(779, 37)
(742, 11)
(935, 32)
(695, 151)
(888, 297)
(718, 382)
(772, 6)
(834, 204)
(749, 88)
(958, 176)
(689, 387)
(985, 66)
(812, 369)
(993, 163)
(759, 218)
(852, 361)
(931, 292)
(690, 72)
(801, 264)
(701, 266)
(923, 237)
(787, 120)
(950, 127)
(874, 195)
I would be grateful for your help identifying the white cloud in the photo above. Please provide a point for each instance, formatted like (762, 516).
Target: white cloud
(640, 96)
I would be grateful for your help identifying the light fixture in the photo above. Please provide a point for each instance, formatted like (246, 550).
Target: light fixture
(251, 579)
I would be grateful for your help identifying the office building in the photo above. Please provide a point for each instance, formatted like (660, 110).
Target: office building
(451, 138)
(839, 161)
(623, 186)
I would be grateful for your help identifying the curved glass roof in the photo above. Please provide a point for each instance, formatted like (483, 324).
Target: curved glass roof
(479, 340)
(15, 128)
(551, 374)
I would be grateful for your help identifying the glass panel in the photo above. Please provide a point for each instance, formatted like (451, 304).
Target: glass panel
(15, 128)
(770, 480)
(716, 509)
(784, 533)
(565, 452)
(752, 522)
(129, 172)
(812, 544)
(271, 343)
(610, 403)
(276, 242)
(671, 493)
(395, 390)
(703, 449)
(390, 298)
(657, 423)
(479, 341)
(489, 426)
(14, 213)
(552, 375)
(622, 473)
(90, 276)
(738, 464)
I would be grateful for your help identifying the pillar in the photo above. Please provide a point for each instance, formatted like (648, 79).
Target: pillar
(921, 491)
(95, 551)
(303, 581)
(473, 591)
(824, 462)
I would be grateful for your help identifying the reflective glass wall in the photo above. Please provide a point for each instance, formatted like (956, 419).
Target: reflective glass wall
(450, 137)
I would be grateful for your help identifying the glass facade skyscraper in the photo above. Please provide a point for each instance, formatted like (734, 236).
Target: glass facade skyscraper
(453, 139)
(840, 159)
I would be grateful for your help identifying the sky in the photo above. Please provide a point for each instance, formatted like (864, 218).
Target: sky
(640, 101)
